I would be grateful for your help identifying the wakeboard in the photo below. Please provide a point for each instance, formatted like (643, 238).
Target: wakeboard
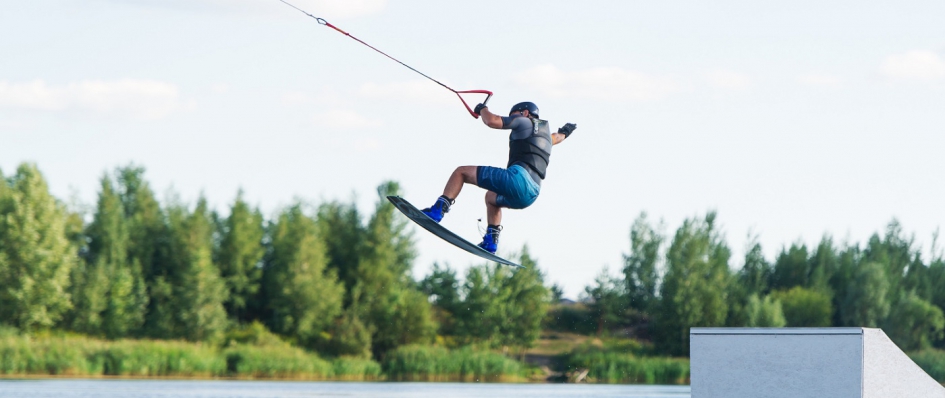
(435, 228)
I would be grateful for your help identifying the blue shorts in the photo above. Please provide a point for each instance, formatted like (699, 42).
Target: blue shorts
(514, 187)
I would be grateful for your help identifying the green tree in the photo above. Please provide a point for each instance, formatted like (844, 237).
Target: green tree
(36, 257)
(349, 335)
(147, 224)
(791, 268)
(442, 288)
(824, 264)
(640, 266)
(190, 290)
(502, 307)
(109, 291)
(805, 307)
(302, 296)
(342, 230)
(479, 317)
(148, 247)
(756, 274)
(764, 313)
(694, 288)
(607, 301)
(866, 303)
(914, 323)
(395, 310)
(239, 256)
(526, 299)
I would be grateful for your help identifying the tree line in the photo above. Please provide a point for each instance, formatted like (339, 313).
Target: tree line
(324, 277)
(671, 283)
(333, 280)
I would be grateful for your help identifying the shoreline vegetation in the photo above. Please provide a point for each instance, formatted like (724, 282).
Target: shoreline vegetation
(76, 356)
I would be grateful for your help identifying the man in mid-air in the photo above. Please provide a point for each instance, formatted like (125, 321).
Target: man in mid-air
(515, 187)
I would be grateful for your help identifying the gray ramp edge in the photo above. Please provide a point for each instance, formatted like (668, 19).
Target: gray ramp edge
(890, 373)
(776, 363)
(804, 362)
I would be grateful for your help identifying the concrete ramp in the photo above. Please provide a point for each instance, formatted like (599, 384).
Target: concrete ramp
(803, 363)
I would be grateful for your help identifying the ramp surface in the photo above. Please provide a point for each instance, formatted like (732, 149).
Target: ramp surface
(802, 363)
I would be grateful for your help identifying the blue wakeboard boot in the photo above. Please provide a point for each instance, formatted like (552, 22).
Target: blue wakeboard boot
(439, 209)
(490, 241)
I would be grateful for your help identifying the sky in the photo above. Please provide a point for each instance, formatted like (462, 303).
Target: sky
(792, 120)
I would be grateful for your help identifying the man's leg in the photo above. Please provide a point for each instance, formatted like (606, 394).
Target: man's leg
(462, 175)
(490, 242)
(493, 211)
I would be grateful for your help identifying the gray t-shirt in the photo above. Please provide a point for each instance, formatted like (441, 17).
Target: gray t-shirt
(522, 128)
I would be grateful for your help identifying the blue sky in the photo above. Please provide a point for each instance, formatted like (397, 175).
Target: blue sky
(791, 120)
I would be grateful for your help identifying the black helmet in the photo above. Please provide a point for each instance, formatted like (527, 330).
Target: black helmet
(526, 106)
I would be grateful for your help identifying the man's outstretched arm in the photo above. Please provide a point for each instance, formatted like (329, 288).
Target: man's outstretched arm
(488, 118)
(563, 133)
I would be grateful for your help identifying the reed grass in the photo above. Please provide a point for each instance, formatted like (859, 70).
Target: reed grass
(606, 366)
(89, 357)
(434, 363)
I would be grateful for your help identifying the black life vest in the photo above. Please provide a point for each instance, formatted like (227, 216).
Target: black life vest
(533, 151)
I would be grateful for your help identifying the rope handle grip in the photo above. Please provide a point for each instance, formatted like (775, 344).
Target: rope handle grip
(471, 111)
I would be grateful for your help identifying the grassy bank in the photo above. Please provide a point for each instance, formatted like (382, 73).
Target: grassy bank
(87, 357)
(80, 356)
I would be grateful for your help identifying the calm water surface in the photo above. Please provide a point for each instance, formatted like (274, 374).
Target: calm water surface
(272, 389)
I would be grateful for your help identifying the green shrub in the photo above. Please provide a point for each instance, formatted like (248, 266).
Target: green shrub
(275, 362)
(609, 366)
(352, 368)
(432, 363)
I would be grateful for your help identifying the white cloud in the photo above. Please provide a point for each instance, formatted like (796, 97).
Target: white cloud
(343, 119)
(818, 80)
(914, 65)
(414, 90)
(605, 83)
(728, 80)
(147, 99)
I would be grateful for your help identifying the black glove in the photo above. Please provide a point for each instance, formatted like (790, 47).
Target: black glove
(479, 108)
(567, 129)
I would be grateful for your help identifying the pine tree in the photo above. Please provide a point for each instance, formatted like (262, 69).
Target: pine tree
(240, 255)
(36, 257)
(302, 296)
(199, 290)
(755, 275)
(186, 289)
(146, 222)
(125, 294)
(791, 268)
(640, 266)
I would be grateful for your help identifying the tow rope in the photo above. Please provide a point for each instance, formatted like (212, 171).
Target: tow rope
(323, 22)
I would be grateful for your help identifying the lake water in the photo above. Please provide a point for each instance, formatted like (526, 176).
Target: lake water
(60, 388)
